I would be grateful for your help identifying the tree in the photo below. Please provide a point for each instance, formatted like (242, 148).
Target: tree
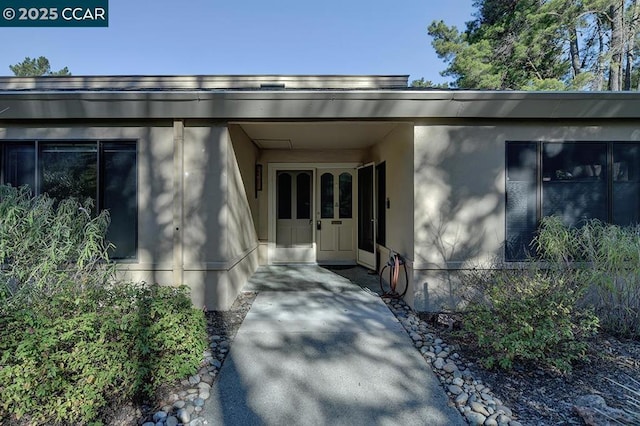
(543, 45)
(36, 68)
(428, 84)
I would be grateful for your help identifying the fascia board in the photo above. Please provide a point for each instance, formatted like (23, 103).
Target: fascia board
(309, 105)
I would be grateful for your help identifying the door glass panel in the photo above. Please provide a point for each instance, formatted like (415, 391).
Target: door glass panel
(326, 196)
(365, 209)
(69, 170)
(303, 196)
(346, 192)
(381, 184)
(283, 190)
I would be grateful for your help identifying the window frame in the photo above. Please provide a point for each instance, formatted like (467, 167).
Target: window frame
(539, 181)
(100, 170)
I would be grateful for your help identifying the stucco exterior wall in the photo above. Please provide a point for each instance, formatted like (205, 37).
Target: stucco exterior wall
(396, 150)
(219, 240)
(155, 182)
(459, 196)
(192, 219)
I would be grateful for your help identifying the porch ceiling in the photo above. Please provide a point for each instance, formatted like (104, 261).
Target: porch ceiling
(318, 135)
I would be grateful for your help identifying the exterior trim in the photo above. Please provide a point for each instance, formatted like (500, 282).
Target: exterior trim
(204, 82)
(315, 105)
(220, 266)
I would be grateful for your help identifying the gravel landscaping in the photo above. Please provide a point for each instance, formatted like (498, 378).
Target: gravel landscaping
(525, 395)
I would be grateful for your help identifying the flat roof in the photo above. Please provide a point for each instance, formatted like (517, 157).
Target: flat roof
(205, 82)
(308, 97)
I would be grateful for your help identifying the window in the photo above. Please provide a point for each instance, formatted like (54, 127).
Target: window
(103, 171)
(345, 195)
(284, 195)
(576, 181)
(326, 196)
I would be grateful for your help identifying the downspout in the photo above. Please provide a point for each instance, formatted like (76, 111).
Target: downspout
(178, 201)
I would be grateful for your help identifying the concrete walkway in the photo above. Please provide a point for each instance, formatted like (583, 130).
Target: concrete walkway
(316, 349)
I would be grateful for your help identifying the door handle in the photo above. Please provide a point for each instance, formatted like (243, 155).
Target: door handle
(319, 225)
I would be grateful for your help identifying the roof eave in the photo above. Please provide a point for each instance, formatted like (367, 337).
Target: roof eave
(314, 104)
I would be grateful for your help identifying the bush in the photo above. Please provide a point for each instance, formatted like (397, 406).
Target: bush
(607, 259)
(47, 247)
(528, 316)
(72, 340)
(172, 336)
(111, 345)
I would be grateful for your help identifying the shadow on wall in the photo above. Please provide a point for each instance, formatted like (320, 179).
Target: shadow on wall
(220, 239)
(460, 197)
(460, 209)
(155, 207)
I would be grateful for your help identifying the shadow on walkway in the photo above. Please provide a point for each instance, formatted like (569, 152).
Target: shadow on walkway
(315, 349)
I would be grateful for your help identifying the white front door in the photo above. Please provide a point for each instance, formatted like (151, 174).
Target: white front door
(294, 217)
(335, 222)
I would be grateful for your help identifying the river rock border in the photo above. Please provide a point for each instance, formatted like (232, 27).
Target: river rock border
(472, 398)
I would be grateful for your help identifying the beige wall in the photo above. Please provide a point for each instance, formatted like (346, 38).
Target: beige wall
(459, 215)
(218, 237)
(246, 155)
(203, 241)
(155, 187)
(396, 150)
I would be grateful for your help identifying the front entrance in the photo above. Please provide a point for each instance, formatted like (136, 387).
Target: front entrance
(334, 216)
(315, 210)
(294, 239)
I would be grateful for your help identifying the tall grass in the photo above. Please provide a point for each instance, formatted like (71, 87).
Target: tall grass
(606, 258)
(48, 246)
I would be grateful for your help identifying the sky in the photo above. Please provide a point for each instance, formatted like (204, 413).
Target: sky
(192, 37)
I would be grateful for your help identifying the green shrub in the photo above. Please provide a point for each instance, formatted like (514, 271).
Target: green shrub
(528, 316)
(173, 336)
(116, 344)
(72, 340)
(65, 369)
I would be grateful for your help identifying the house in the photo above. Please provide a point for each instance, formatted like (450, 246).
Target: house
(208, 177)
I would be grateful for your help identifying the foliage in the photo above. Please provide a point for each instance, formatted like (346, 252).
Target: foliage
(171, 338)
(428, 84)
(528, 316)
(36, 68)
(45, 246)
(550, 45)
(607, 258)
(72, 339)
(104, 347)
